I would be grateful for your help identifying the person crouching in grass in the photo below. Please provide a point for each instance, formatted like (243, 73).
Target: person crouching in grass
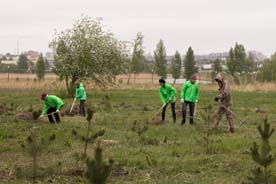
(168, 95)
(52, 106)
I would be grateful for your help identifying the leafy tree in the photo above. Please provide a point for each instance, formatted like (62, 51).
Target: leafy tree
(160, 59)
(217, 68)
(189, 63)
(86, 51)
(237, 61)
(263, 157)
(176, 66)
(138, 58)
(23, 63)
(40, 67)
(97, 170)
(267, 72)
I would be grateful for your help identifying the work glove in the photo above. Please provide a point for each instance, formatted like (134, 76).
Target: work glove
(196, 101)
(170, 99)
(182, 100)
(164, 105)
(41, 116)
(217, 98)
(57, 111)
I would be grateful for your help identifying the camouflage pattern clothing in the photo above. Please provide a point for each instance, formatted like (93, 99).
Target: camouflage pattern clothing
(225, 102)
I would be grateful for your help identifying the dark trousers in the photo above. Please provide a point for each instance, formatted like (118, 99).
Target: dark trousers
(192, 110)
(50, 117)
(82, 110)
(173, 112)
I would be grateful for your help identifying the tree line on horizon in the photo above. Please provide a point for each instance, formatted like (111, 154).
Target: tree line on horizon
(88, 51)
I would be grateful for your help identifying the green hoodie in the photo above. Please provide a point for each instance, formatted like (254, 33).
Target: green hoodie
(167, 92)
(80, 92)
(190, 92)
(52, 101)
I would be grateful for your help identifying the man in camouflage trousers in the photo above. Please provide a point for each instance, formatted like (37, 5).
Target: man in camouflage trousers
(224, 98)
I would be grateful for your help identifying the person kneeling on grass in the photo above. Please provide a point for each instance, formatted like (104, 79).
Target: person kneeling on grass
(52, 105)
(189, 96)
(167, 95)
(81, 96)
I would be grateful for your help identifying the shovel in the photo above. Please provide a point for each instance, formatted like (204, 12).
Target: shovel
(241, 121)
(72, 105)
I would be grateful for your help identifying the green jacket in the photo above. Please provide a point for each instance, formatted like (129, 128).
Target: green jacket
(80, 92)
(189, 91)
(52, 101)
(166, 92)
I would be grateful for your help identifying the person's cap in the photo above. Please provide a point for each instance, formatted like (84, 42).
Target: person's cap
(162, 81)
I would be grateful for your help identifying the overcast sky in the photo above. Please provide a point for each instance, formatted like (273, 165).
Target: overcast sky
(206, 25)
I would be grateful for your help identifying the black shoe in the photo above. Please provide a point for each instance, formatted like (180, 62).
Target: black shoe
(183, 122)
(191, 121)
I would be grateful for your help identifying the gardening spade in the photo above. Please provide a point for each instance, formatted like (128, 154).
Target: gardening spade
(72, 106)
(241, 121)
(47, 115)
(158, 112)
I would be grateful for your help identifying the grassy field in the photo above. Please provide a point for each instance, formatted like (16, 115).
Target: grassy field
(168, 153)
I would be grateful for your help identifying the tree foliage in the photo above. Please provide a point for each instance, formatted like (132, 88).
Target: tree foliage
(267, 72)
(87, 51)
(189, 63)
(40, 67)
(137, 62)
(160, 59)
(176, 65)
(263, 157)
(97, 170)
(217, 68)
(23, 63)
(238, 62)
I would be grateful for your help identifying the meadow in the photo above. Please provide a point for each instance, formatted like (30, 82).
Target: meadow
(168, 153)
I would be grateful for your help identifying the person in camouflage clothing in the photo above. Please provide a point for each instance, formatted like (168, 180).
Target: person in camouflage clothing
(224, 98)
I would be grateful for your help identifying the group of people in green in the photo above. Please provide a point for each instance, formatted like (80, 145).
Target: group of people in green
(189, 97)
(53, 104)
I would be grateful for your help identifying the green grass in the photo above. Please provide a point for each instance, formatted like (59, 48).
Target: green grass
(181, 159)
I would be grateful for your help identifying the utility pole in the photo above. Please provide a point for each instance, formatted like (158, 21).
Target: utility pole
(8, 73)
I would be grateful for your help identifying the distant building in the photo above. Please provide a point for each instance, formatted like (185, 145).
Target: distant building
(32, 55)
(50, 57)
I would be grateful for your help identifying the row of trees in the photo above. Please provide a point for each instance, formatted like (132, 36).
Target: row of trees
(137, 64)
(24, 65)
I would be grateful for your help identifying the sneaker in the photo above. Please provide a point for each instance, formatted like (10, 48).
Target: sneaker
(231, 130)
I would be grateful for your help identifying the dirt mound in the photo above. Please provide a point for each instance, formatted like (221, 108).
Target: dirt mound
(74, 112)
(24, 116)
(147, 107)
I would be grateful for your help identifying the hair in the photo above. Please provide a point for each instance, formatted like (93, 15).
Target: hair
(162, 81)
(43, 96)
(193, 77)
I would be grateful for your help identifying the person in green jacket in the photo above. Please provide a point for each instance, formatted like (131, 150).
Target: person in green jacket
(168, 95)
(81, 96)
(189, 96)
(52, 105)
